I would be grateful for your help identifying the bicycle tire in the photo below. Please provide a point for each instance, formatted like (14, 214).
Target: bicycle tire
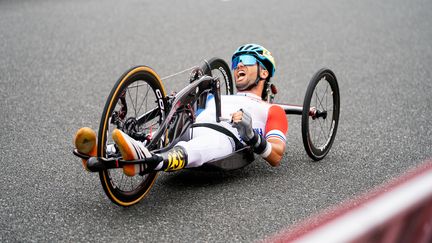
(319, 95)
(112, 180)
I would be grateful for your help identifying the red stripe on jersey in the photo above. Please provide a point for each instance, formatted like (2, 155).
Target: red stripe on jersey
(276, 120)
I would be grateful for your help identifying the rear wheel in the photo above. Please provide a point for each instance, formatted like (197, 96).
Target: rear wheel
(136, 105)
(320, 115)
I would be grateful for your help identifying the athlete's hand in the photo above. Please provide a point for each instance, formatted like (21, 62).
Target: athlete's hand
(243, 122)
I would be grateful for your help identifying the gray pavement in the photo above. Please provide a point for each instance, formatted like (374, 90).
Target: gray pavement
(59, 60)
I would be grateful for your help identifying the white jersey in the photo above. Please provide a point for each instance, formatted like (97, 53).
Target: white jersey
(267, 119)
(207, 144)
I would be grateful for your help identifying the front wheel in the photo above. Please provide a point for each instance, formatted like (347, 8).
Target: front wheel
(320, 115)
(136, 105)
(217, 67)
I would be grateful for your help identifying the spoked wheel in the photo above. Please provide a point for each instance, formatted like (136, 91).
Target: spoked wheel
(217, 67)
(136, 105)
(320, 115)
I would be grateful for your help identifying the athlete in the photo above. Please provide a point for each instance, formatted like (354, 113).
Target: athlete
(250, 119)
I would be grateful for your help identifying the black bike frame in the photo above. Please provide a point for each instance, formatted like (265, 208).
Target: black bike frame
(186, 97)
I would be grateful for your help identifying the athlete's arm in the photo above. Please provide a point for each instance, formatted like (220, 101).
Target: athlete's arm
(277, 151)
(272, 147)
(276, 129)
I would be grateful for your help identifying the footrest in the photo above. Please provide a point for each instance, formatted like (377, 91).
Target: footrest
(96, 164)
(78, 154)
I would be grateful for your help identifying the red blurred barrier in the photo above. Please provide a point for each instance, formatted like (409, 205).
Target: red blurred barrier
(400, 211)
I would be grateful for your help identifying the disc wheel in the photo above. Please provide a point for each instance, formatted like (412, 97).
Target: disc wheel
(217, 67)
(136, 105)
(320, 115)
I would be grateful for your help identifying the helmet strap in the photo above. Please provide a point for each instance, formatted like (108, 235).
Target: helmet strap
(258, 75)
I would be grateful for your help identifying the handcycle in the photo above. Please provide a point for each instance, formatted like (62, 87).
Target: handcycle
(139, 106)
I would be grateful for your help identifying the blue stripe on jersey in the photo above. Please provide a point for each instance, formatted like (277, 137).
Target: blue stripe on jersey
(276, 135)
(209, 97)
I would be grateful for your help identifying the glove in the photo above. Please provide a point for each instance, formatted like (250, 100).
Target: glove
(242, 121)
(243, 124)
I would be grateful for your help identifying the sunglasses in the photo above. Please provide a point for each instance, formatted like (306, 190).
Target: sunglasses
(247, 60)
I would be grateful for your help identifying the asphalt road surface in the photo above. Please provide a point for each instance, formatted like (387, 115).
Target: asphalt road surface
(60, 59)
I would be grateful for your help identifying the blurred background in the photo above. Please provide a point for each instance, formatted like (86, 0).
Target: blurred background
(60, 59)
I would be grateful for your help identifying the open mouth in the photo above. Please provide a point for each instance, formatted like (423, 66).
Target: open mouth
(241, 74)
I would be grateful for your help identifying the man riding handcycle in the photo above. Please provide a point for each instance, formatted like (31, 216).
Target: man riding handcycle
(197, 126)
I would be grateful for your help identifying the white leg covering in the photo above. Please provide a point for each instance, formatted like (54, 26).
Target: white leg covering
(205, 145)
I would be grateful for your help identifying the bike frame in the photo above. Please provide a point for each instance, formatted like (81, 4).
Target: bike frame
(185, 99)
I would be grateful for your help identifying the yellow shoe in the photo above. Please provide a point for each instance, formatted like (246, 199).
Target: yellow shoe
(85, 142)
(130, 149)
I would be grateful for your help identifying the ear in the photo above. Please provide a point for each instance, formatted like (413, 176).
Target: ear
(264, 74)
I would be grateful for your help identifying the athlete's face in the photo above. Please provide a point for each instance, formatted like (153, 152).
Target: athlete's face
(245, 75)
